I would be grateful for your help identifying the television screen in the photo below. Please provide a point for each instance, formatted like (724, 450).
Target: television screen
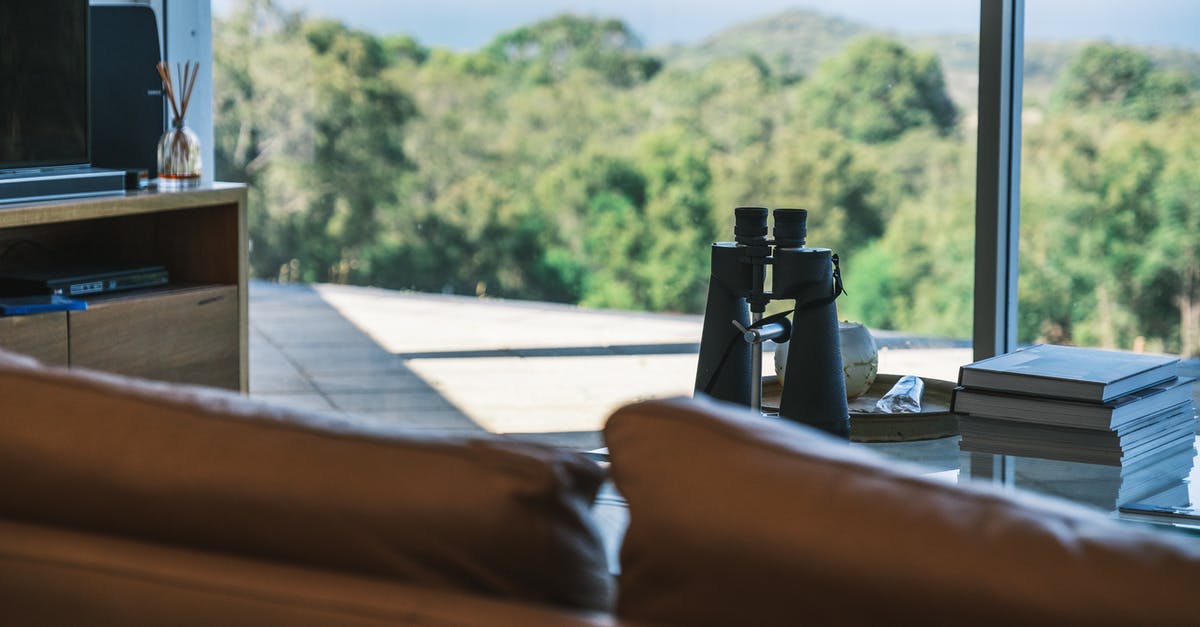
(43, 83)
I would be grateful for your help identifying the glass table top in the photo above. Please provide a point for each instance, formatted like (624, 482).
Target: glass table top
(1165, 492)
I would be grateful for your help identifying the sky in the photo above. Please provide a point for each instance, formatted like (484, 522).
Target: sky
(468, 24)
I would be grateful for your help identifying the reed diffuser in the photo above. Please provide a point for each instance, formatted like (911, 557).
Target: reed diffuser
(179, 148)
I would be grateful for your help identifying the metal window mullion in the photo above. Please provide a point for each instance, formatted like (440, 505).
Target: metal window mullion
(998, 176)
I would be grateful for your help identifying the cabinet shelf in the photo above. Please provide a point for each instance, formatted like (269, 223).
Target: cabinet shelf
(193, 330)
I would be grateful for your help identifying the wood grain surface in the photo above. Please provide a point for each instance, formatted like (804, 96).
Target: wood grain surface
(182, 335)
(42, 336)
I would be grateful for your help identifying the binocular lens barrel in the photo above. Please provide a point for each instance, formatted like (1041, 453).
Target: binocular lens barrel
(750, 225)
(791, 228)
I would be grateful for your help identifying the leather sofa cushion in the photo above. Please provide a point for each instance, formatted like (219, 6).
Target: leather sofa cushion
(114, 581)
(738, 519)
(213, 470)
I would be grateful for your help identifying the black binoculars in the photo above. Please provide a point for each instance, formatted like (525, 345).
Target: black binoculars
(730, 365)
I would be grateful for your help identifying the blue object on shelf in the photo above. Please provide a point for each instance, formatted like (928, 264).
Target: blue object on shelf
(25, 305)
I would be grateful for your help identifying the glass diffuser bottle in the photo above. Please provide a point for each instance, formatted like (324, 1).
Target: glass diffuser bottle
(179, 165)
(178, 157)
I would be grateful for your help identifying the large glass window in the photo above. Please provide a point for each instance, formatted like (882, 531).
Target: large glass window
(1110, 195)
(532, 208)
(1110, 192)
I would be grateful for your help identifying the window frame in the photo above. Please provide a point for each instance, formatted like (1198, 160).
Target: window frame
(998, 176)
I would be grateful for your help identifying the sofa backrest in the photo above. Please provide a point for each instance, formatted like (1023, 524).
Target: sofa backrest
(212, 470)
(737, 519)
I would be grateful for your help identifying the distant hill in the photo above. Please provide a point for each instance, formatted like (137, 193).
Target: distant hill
(794, 42)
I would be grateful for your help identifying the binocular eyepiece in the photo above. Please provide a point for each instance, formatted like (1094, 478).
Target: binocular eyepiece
(750, 227)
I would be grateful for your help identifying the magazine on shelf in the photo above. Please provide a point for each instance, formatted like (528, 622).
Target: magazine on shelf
(1069, 372)
(1114, 414)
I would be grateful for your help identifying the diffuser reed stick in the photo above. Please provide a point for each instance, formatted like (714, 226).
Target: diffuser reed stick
(180, 96)
(179, 150)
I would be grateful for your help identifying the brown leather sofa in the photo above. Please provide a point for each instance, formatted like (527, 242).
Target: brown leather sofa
(128, 502)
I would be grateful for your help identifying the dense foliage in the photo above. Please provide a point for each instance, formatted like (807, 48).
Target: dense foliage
(563, 162)
(877, 90)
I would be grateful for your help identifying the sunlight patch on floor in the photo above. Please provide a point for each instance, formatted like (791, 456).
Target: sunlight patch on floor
(554, 394)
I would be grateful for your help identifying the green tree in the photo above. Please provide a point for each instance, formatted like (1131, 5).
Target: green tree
(549, 50)
(569, 188)
(1124, 82)
(1110, 232)
(877, 89)
(675, 268)
(739, 107)
(1175, 244)
(479, 238)
(641, 223)
(315, 125)
(1056, 289)
(615, 239)
(820, 171)
(358, 124)
(917, 276)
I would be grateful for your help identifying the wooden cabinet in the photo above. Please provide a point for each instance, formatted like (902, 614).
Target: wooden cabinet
(191, 331)
(184, 335)
(42, 336)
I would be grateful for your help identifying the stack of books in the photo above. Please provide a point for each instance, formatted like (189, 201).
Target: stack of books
(1127, 410)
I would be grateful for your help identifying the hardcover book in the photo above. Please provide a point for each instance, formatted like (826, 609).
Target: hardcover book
(1079, 445)
(1112, 415)
(1108, 486)
(1069, 372)
(1166, 507)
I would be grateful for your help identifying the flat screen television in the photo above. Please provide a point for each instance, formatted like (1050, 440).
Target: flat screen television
(44, 112)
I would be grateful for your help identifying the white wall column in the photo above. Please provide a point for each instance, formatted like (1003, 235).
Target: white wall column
(188, 37)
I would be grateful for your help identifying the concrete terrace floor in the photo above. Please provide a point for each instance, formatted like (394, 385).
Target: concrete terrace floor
(539, 371)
